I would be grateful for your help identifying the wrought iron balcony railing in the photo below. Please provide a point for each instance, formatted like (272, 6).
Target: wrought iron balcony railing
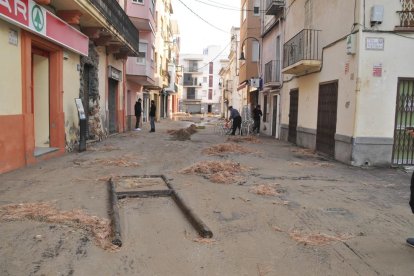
(406, 18)
(117, 17)
(303, 46)
(272, 72)
(273, 7)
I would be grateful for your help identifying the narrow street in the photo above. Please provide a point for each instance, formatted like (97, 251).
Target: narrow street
(288, 212)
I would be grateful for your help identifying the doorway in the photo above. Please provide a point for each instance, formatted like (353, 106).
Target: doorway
(275, 117)
(293, 115)
(209, 108)
(112, 105)
(403, 149)
(327, 115)
(40, 103)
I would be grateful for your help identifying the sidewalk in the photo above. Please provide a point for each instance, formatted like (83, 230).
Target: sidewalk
(324, 217)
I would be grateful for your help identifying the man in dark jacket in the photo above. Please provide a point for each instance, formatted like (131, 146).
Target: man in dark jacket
(235, 116)
(138, 111)
(410, 241)
(152, 116)
(257, 114)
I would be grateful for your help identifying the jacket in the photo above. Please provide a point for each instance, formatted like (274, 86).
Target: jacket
(152, 110)
(138, 109)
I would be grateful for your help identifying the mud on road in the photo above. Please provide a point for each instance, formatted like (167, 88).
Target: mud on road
(288, 211)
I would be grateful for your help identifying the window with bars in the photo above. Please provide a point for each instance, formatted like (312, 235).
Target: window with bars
(138, 1)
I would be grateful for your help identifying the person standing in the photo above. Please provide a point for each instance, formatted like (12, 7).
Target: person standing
(257, 114)
(235, 116)
(138, 111)
(152, 113)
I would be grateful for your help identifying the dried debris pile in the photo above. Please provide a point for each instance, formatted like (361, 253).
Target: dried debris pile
(317, 239)
(304, 151)
(100, 228)
(263, 189)
(241, 139)
(226, 172)
(124, 161)
(225, 148)
(183, 133)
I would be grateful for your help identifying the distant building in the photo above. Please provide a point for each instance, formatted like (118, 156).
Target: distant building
(201, 81)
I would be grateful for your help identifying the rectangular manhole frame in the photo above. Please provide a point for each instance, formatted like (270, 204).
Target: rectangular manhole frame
(202, 229)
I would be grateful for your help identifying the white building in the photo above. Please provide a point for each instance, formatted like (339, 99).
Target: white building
(201, 81)
(348, 84)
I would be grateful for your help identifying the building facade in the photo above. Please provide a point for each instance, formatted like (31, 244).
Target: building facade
(348, 79)
(53, 52)
(229, 73)
(271, 64)
(201, 81)
(250, 44)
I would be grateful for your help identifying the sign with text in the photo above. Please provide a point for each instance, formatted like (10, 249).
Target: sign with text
(28, 15)
(374, 43)
(81, 110)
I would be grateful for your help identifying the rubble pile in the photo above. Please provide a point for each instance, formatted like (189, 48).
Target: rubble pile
(44, 212)
(226, 172)
(225, 148)
(183, 133)
(263, 189)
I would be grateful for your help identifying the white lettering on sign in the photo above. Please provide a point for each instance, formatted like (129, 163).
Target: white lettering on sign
(5, 4)
(19, 6)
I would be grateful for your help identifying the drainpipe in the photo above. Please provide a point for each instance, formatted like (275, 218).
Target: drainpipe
(358, 80)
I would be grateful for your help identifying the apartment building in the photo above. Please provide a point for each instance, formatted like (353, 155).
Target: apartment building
(53, 52)
(163, 49)
(141, 70)
(272, 12)
(229, 74)
(348, 79)
(201, 81)
(174, 89)
(250, 44)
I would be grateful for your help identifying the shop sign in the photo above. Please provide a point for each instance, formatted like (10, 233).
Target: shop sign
(34, 18)
(114, 73)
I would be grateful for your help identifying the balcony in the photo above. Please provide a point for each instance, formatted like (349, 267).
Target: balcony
(406, 16)
(141, 15)
(116, 17)
(191, 82)
(274, 7)
(272, 75)
(302, 53)
(192, 70)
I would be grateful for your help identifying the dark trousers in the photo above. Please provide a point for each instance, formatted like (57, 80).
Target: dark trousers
(236, 124)
(137, 123)
(256, 125)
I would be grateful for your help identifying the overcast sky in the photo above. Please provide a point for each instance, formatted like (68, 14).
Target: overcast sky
(197, 34)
